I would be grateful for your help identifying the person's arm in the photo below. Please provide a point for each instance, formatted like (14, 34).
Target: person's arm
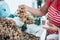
(43, 10)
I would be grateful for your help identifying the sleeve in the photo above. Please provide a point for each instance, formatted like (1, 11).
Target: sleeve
(48, 2)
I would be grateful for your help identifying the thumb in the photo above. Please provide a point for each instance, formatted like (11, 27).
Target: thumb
(54, 26)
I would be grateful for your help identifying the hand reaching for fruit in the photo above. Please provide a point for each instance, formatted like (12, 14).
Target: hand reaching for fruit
(24, 16)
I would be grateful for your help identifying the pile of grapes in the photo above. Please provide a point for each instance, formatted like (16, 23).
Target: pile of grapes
(9, 31)
(24, 16)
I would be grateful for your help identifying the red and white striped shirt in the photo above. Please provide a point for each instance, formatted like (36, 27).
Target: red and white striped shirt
(54, 13)
(54, 16)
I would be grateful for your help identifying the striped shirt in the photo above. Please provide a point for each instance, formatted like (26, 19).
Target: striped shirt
(54, 14)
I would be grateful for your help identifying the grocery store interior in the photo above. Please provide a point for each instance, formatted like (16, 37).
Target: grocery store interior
(14, 28)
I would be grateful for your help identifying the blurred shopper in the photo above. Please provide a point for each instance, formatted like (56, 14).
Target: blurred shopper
(53, 10)
(4, 9)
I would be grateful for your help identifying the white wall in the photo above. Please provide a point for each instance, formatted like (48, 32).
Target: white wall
(13, 4)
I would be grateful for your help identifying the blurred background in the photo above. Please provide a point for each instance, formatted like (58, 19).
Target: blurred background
(13, 4)
(37, 4)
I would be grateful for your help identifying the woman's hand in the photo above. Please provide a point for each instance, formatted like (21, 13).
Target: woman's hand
(43, 10)
(23, 7)
(51, 28)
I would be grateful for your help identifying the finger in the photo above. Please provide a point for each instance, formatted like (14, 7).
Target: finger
(49, 24)
(53, 25)
(45, 27)
(21, 6)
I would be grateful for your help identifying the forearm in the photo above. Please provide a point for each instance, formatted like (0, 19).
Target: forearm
(35, 12)
(41, 12)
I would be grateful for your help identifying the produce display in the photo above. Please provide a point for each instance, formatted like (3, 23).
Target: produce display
(27, 36)
(10, 31)
(25, 17)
